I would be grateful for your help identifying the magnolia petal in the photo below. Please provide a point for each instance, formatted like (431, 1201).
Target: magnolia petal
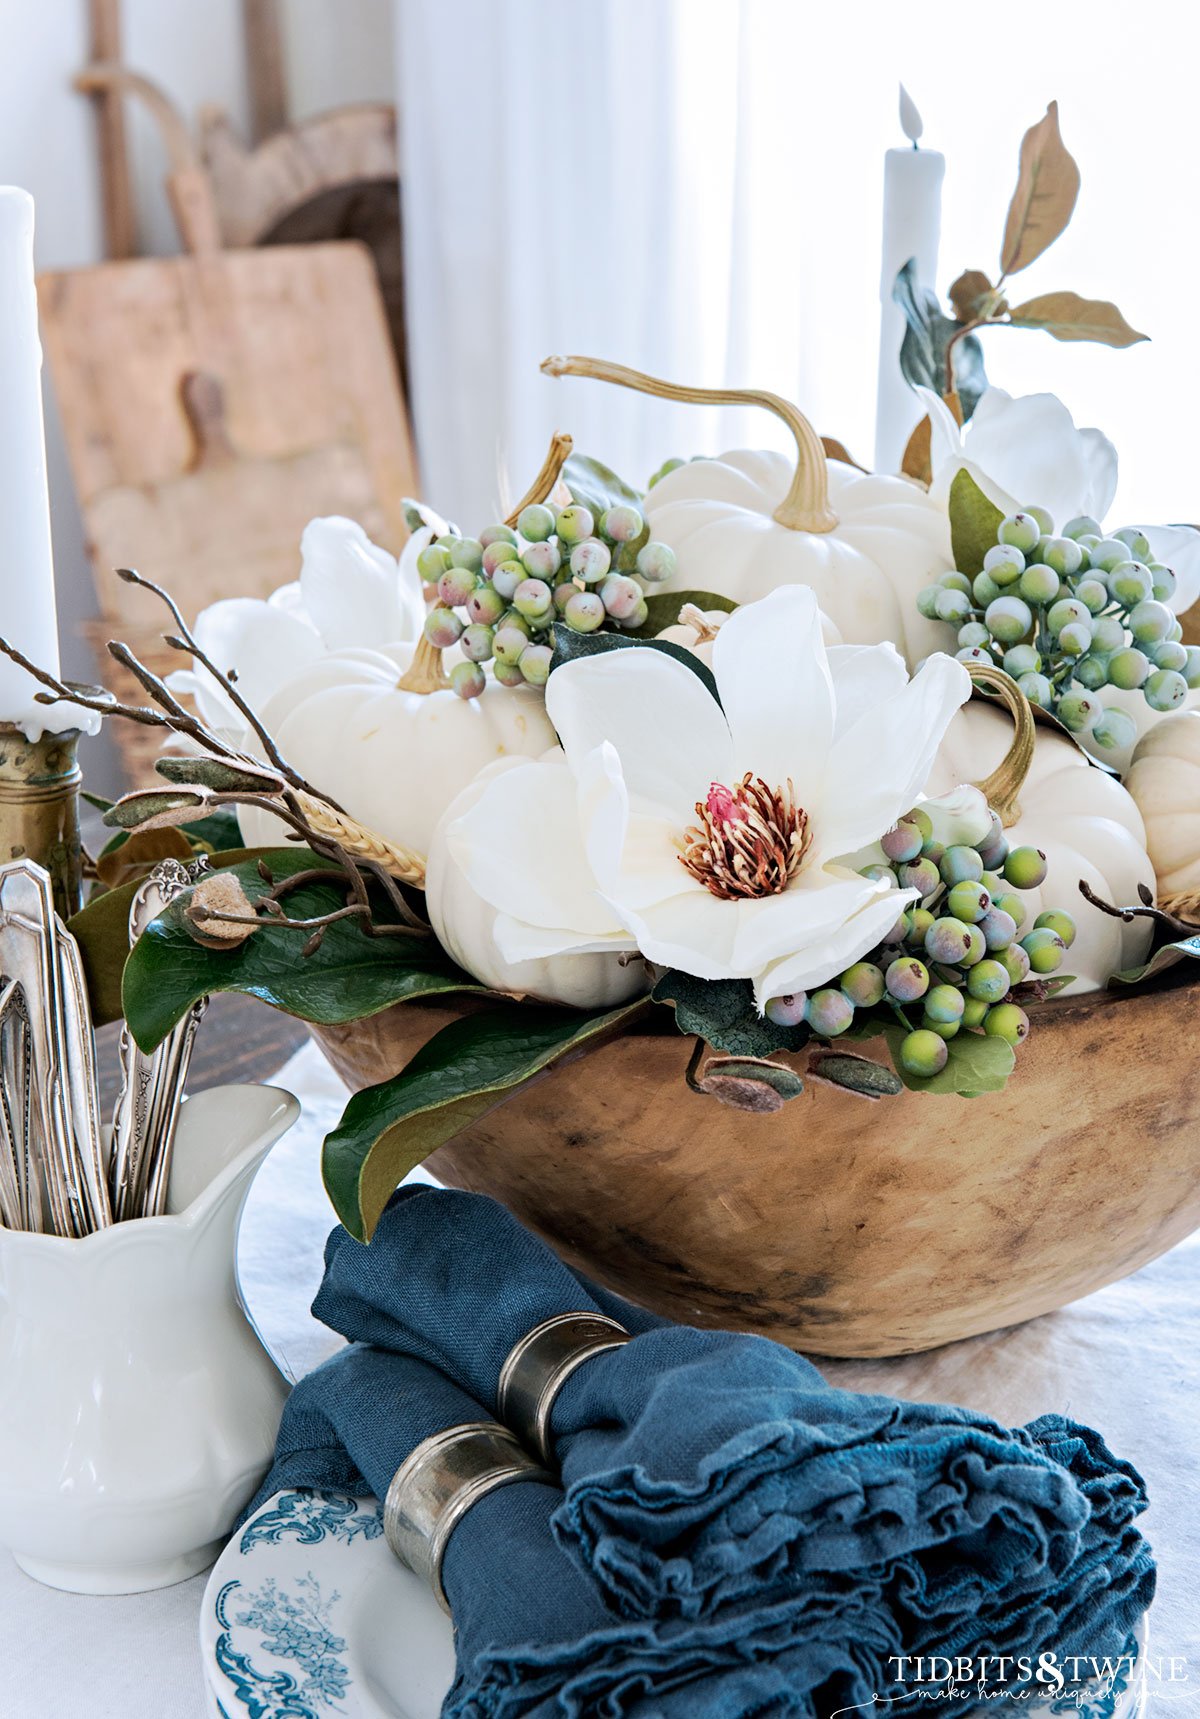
(1178, 547)
(517, 941)
(820, 962)
(1100, 464)
(817, 903)
(265, 644)
(961, 817)
(352, 588)
(945, 432)
(694, 932)
(633, 853)
(1031, 448)
(875, 772)
(519, 846)
(773, 677)
(669, 735)
(862, 676)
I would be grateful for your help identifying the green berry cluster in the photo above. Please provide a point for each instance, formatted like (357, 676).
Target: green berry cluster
(1068, 616)
(498, 595)
(959, 952)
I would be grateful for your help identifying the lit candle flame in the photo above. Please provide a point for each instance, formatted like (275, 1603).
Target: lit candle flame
(911, 122)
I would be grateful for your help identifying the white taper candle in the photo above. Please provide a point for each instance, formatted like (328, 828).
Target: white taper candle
(912, 219)
(27, 610)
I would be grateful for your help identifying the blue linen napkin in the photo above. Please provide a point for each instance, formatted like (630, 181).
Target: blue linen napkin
(707, 1471)
(533, 1635)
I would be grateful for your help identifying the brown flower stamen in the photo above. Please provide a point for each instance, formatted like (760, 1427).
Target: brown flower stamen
(750, 842)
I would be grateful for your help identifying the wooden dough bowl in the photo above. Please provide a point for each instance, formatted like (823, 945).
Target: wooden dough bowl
(841, 1225)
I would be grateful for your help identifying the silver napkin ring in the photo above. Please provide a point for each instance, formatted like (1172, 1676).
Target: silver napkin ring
(437, 1484)
(539, 1365)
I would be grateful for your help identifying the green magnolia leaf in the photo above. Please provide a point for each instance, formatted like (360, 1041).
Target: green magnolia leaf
(664, 606)
(570, 646)
(102, 931)
(928, 332)
(1163, 959)
(976, 1063)
(216, 773)
(596, 487)
(1068, 317)
(462, 1072)
(350, 975)
(1044, 199)
(97, 801)
(974, 522)
(723, 1013)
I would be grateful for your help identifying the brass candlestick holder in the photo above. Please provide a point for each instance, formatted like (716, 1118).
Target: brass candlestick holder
(39, 808)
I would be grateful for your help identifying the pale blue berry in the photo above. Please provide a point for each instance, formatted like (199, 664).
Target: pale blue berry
(1040, 584)
(1128, 668)
(1078, 710)
(443, 628)
(907, 979)
(1021, 530)
(923, 1054)
(466, 552)
(863, 984)
(591, 561)
(829, 1013)
(467, 680)
(1008, 619)
(574, 524)
(1037, 690)
(583, 611)
(622, 524)
(535, 523)
(788, 1010)
(1165, 689)
(1004, 564)
(535, 664)
(656, 562)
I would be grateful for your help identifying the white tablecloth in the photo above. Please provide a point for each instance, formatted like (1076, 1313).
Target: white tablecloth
(1126, 1360)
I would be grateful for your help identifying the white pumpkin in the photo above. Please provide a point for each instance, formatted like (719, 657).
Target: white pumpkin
(1164, 780)
(696, 630)
(745, 523)
(393, 755)
(1082, 819)
(466, 926)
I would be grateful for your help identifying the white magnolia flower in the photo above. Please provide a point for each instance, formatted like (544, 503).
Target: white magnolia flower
(711, 837)
(1028, 452)
(350, 594)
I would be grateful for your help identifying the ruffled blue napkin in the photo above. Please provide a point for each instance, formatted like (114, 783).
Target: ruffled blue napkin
(533, 1635)
(707, 1472)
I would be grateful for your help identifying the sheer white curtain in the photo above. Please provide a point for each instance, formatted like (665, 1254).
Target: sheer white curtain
(694, 187)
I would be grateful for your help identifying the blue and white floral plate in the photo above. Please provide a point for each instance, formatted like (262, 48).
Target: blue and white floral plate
(307, 1615)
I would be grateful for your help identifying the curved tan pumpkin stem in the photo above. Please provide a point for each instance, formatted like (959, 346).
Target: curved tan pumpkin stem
(1003, 787)
(698, 621)
(425, 673)
(556, 458)
(805, 507)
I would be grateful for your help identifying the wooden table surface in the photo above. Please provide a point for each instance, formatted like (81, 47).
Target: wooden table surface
(239, 1039)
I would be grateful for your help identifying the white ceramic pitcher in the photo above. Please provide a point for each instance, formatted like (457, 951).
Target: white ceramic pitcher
(138, 1408)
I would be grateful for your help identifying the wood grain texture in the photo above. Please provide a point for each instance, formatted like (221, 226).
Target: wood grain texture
(116, 184)
(212, 406)
(841, 1226)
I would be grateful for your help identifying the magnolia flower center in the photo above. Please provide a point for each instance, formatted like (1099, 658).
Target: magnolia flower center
(750, 841)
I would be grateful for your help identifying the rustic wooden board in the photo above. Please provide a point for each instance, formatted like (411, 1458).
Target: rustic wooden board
(212, 405)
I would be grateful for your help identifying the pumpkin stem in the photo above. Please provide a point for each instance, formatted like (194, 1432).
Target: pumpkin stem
(805, 507)
(556, 458)
(425, 673)
(1002, 788)
(695, 618)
